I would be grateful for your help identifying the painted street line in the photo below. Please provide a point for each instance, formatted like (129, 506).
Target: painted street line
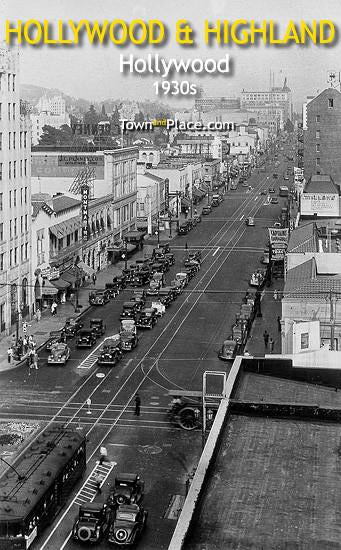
(214, 253)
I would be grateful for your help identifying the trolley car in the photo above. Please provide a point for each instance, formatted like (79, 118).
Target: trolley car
(35, 488)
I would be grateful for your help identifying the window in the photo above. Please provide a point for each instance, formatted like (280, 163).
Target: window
(318, 118)
(21, 167)
(318, 160)
(317, 134)
(0, 141)
(25, 195)
(2, 261)
(14, 169)
(13, 140)
(15, 197)
(68, 240)
(26, 251)
(9, 111)
(10, 199)
(10, 229)
(1, 202)
(16, 255)
(25, 222)
(9, 139)
(0, 110)
(25, 141)
(9, 170)
(21, 224)
(0, 171)
(15, 227)
(13, 111)
(20, 139)
(317, 147)
(11, 257)
(25, 167)
(13, 83)
(1, 231)
(330, 103)
(9, 83)
(22, 257)
(21, 190)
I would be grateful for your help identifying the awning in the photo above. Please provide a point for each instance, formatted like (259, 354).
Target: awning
(204, 191)
(86, 268)
(133, 235)
(69, 277)
(185, 202)
(197, 193)
(60, 284)
(130, 247)
(142, 224)
(62, 229)
(49, 290)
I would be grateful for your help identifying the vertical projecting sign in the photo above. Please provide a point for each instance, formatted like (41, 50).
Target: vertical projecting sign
(166, 195)
(85, 212)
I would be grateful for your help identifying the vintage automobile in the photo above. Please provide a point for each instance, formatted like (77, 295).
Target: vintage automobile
(170, 258)
(147, 318)
(171, 292)
(159, 308)
(139, 295)
(99, 297)
(72, 327)
(274, 200)
(176, 287)
(197, 217)
(127, 527)
(59, 354)
(229, 350)
(85, 339)
(55, 337)
(215, 201)
(272, 190)
(92, 523)
(265, 259)
(206, 210)
(250, 221)
(97, 326)
(183, 228)
(110, 353)
(258, 278)
(182, 278)
(190, 271)
(120, 281)
(128, 335)
(129, 310)
(193, 265)
(263, 192)
(155, 284)
(144, 263)
(157, 267)
(112, 289)
(127, 489)
(165, 297)
(140, 278)
(195, 256)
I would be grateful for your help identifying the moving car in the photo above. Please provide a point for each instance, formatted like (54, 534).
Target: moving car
(85, 339)
(170, 258)
(272, 190)
(147, 318)
(112, 289)
(99, 297)
(192, 264)
(274, 200)
(263, 192)
(129, 311)
(250, 222)
(127, 527)
(120, 281)
(55, 337)
(72, 327)
(155, 284)
(110, 353)
(92, 522)
(275, 176)
(182, 278)
(197, 217)
(127, 489)
(229, 350)
(59, 354)
(97, 326)
(206, 210)
(140, 278)
(195, 256)
(165, 297)
(258, 278)
(159, 308)
(128, 335)
(183, 228)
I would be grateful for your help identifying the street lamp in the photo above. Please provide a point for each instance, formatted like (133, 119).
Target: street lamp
(124, 256)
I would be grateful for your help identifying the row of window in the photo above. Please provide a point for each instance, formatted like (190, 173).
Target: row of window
(11, 81)
(330, 106)
(13, 227)
(13, 198)
(12, 169)
(14, 256)
(12, 140)
(11, 111)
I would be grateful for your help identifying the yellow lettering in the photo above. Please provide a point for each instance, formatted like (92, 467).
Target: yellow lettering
(324, 38)
(154, 26)
(235, 32)
(273, 40)
(116, 39)
(262, 30)
(61, 38)
(16, 31)
(36, 26)
(214, 30)
(96, 31)
(76, 28)
(306, 30)
(48, 40)
(139, 24)
(291, 33)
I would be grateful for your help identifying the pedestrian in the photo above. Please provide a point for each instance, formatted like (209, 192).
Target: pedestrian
(20, 347)
(195, 211)
(275, 295)
(54, 308)
(25, 344)
(266, 338)
(279, 324)
(137, 405)
(94, 278)
(9, 355)
(38, 315)
(271, 344)
(103, 455)
(98, 482)
(35, 360)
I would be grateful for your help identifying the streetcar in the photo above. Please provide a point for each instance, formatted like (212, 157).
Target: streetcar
(35, 488)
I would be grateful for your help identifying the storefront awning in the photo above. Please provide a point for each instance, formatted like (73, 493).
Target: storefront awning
(49, 290)
(197, 193)
(69, 277)
(86, 268)
(185, 202)
(134, 235)
(60, 284)
(130, 247)
(62, 229)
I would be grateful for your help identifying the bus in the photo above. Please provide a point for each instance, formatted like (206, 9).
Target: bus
(284, 191)
(35, 488)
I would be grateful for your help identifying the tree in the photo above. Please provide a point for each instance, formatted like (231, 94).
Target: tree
(91, 116)
(58, 136)
(139, 117)
(115, 122)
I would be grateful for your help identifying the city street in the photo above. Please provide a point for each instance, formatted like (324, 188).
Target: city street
(172, 356)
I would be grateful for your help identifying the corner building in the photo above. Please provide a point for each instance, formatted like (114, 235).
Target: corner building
(15, 199)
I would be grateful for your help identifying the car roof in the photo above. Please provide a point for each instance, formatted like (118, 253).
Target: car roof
(85, 331)
(93, 506)
(96, 320)
(128, 508)
(129, 304)
(126, 477)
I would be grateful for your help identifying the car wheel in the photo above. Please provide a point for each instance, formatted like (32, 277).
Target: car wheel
(121, 535)
(84, 534)
(120, 499)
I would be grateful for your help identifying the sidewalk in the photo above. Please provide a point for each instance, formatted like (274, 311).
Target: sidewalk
(271, 309)
(41, 330)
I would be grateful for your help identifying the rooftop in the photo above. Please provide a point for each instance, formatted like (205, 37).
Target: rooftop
(304, 239)
(321, 184)
(304, 281)
(63, 202)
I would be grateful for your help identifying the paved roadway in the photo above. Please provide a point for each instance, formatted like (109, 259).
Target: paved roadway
(173, 355)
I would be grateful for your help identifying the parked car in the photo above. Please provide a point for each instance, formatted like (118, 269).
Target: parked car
(59, 354)
(97, 326)
(120, 281)
(182, 278)
(197, 217)
(165, 297)
(275, 176)
(206, 210)
(55, 337)
(147, 318)
(112, 289)
(140, 278)
(272, 190)
(265, 259)
(99, 297)
(176, 287)
(155, 284)
(127, 489)
(129, 310)
(110, 353)
(72, 327)
(258, 278)
(192, 264)
(229, 350)
(195, 256)
(170, 258)
(158, 307)
(183, 228)
(277, 225)
(92, 522)
(85, 339)
(250, 222)
(128, 525)
(191, 271)
(263, 192)
(139, 296)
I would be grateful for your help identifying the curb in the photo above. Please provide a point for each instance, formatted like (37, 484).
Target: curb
(41, 346)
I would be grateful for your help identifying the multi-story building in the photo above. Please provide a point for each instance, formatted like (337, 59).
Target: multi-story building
(276, 97)
(322, 138)
(210, 103)
(51, 112)
(150, 201)
(15, 199)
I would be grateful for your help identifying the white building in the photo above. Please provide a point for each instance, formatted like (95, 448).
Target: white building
(15, 199)
(51, 112)
(150, 202)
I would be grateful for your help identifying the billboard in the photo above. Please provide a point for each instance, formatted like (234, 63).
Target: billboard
(80, 160)
(85, 212)
(278, 235)
(322, 204)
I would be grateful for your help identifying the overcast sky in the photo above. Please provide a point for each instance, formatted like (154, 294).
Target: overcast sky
(93, 71)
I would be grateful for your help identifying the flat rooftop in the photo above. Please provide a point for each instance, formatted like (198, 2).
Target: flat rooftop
(275, 485)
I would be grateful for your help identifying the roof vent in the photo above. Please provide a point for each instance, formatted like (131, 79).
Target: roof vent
(35, 491)
(27, 501)
(48, 473)
(41, 482)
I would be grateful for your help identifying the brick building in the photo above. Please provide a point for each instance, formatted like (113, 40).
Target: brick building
(322, 138)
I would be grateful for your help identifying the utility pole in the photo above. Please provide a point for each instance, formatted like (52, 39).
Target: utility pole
(332, 320)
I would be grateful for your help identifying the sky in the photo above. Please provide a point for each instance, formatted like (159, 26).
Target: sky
(93, 72)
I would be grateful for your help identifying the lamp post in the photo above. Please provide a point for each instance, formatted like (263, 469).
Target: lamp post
(125, 254)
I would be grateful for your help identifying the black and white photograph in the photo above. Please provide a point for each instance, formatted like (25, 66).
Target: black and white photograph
(170, 275)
